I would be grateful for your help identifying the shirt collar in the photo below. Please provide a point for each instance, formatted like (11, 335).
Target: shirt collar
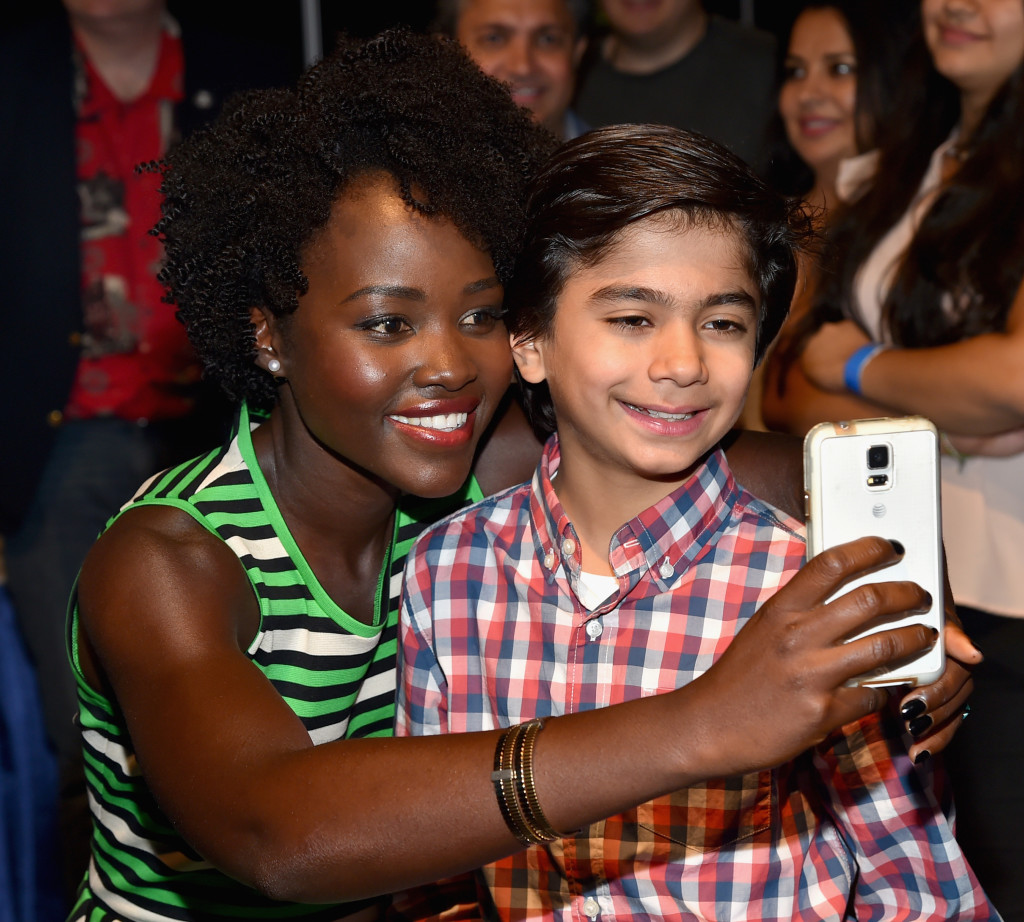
(664, 540)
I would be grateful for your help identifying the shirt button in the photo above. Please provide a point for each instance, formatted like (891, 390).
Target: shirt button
(591, 908)
(594, 629)
(55, 418)
(666, 569)
(568, 547)
(549, 559)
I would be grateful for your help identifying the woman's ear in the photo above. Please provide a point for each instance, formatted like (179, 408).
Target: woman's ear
(529, 358)
(266, 352)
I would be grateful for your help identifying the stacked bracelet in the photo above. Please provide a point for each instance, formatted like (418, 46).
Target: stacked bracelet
(853, 370)
(515, 786)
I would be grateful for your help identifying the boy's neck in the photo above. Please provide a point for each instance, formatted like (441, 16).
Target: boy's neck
(598, 505)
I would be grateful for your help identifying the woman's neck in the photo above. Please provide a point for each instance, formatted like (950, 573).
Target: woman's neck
(973, 106)
(320, 495)
(123, 49)
(822, 196)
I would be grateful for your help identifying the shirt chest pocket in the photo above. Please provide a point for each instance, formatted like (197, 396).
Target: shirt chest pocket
(706, 817)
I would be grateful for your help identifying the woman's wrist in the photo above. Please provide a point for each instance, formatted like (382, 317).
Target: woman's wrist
(853, 370)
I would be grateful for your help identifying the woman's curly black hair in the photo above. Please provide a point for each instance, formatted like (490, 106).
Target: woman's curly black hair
(244, 197)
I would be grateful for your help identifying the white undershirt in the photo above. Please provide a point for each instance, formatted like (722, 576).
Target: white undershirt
(594, 588)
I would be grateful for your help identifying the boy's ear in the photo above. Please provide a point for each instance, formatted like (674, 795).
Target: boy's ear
(265, 326)
(528, 355)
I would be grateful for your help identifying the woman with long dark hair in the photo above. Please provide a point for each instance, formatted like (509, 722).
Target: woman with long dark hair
(925, 283)
(839, 62)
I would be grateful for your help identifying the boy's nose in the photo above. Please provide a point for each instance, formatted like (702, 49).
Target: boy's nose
(678, 357)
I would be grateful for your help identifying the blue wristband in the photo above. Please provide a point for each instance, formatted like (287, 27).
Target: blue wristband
(854, 367)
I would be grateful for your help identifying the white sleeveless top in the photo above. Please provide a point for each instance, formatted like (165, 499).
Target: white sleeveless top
(983, 498)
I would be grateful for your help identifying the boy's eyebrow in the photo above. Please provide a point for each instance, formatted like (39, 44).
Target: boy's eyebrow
(407, 293)
(653, 296)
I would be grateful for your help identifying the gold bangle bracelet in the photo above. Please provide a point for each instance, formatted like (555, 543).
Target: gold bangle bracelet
(535, 817)
(504, 779)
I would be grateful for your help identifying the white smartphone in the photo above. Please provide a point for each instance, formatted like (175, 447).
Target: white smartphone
(881, 477)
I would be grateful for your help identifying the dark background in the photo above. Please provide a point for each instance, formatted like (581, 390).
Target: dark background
(280, 22)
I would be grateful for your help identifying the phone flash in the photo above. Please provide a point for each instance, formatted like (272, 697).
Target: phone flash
(878, 480)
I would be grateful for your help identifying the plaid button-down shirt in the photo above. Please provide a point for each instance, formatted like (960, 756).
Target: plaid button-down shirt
(493, 633)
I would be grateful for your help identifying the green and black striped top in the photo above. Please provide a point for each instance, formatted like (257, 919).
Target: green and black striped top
(336, 673)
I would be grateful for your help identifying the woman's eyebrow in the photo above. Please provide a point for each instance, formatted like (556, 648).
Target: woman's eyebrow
(409, 293)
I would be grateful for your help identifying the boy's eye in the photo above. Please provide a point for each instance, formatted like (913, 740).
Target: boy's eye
(726, 325)
(483, 320)
(631, 321)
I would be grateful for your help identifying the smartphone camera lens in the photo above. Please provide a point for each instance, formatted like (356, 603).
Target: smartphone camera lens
(878, 457)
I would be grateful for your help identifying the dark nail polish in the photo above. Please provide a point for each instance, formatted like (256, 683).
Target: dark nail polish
(897, 547)
(915, 707)
(923, 756)
(919, 725)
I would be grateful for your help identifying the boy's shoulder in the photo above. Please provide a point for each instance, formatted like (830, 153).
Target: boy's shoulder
(763, 512)
(501, 514)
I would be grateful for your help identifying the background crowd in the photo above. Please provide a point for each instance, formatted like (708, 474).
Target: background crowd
(900, 124)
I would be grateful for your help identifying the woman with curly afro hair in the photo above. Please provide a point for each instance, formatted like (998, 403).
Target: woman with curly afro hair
(337, 253)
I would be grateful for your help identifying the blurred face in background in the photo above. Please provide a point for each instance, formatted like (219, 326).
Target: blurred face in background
(649, 20)
(818, 97)
(530, 44)
(976, 44)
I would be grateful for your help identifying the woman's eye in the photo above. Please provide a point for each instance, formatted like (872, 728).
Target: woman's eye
(792, 72)
(483, 320)
(844, 68)
(387, 326)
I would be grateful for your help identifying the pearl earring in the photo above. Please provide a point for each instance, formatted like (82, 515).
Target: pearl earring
(273, 366)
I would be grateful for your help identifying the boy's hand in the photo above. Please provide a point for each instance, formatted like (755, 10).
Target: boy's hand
(780, 687)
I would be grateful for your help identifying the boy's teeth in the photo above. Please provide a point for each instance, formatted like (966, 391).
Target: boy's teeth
(448, 422)
(657, 414)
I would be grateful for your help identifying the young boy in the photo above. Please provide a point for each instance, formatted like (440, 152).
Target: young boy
(656, 271)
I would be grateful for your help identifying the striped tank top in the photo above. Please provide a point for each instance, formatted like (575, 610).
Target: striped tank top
(336, 673)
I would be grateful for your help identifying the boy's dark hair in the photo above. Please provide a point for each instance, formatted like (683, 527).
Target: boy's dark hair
(243, 198)
(602, 182)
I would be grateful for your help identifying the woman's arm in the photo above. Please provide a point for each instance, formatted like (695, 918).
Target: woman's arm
(974, 387)
(802, 404)
(789, 401)
(166, 612)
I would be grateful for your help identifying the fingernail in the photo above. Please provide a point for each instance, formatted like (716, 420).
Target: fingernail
(923, 756)
(897, 547)
(928, 599)
(915, 707)
(919, 725)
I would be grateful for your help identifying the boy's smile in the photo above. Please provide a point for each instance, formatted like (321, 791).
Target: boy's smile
(648, 358)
